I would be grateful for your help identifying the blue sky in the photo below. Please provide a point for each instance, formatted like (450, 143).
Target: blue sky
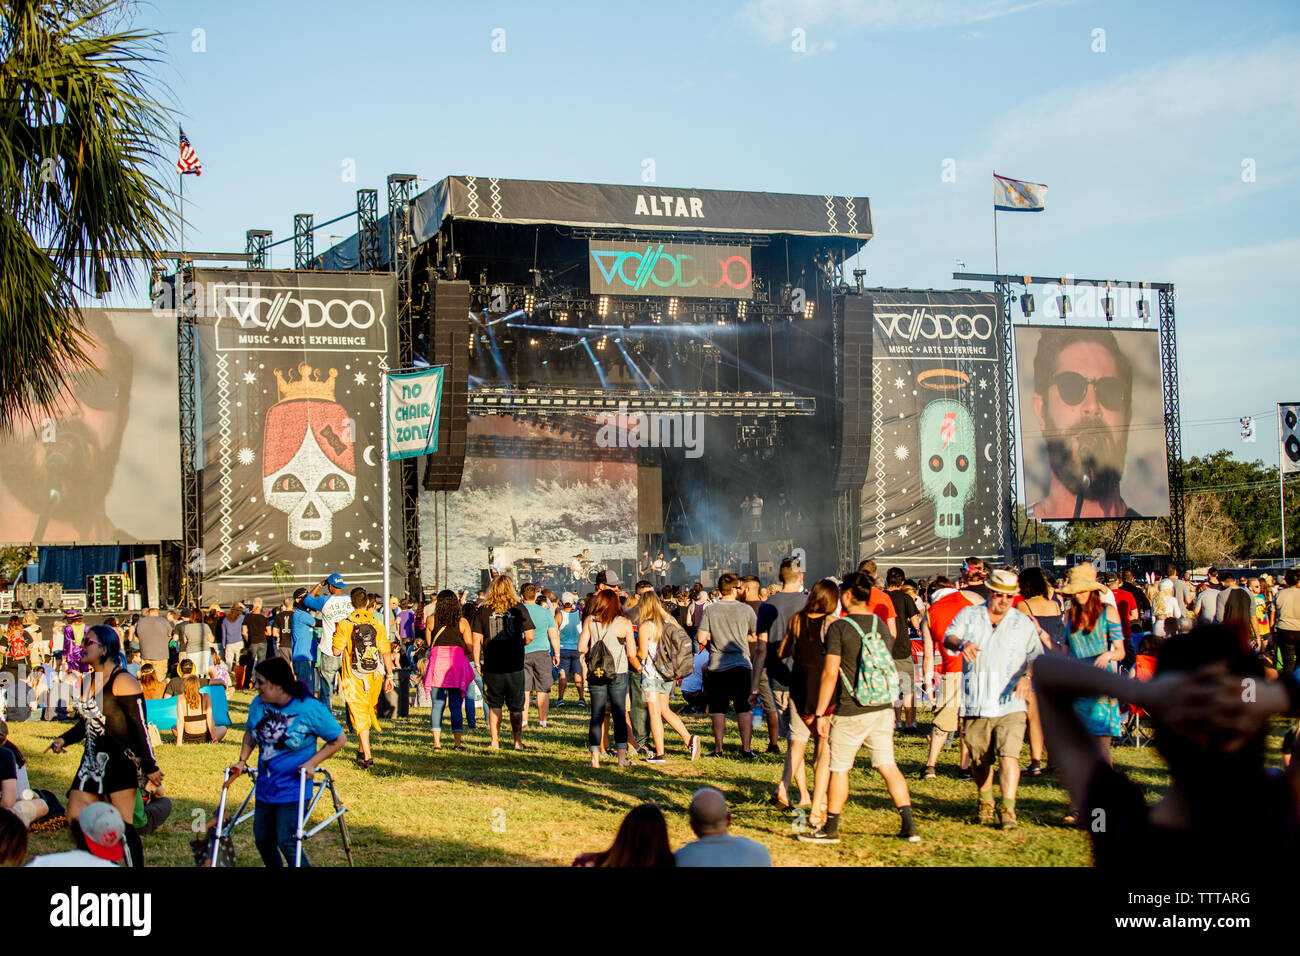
(1142, 145)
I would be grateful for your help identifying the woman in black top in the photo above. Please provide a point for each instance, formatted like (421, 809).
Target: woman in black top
(1221, 800)
(805, 642)
(117, 748)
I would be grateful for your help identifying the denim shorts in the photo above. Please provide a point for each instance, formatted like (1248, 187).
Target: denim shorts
(656, 684)
(571, 662)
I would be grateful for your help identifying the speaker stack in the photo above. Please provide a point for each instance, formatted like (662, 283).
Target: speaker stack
(855, 377)
(46, 596)
(449, 332)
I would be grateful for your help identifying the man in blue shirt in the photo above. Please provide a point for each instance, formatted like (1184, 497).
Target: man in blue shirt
(541, 655)
(301, 631)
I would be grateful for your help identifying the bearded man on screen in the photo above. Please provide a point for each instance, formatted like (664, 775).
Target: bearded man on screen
(1083, 400)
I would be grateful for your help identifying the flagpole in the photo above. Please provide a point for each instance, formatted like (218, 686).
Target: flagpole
(1281, 494)
(383, 419)
(997, 270)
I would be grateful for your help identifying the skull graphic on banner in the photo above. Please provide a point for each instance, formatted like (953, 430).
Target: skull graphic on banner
(308, 459)
(948, 464)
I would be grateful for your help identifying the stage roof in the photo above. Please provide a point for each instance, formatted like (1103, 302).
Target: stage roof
(599, 206)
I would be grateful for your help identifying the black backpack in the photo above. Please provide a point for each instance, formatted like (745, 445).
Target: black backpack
(674, 658)
(601, 664)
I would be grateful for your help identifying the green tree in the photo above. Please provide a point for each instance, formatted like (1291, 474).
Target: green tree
(79, 139)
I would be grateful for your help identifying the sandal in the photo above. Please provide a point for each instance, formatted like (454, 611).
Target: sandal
(776, 801)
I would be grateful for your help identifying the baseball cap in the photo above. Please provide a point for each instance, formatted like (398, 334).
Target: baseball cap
(335, 580)
(104, 831)
(612, 579)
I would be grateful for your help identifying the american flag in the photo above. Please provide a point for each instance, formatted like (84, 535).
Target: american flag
(189, 160)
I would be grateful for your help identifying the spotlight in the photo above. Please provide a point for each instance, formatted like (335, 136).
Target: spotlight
(602, 306)
(1063, 305)
(672, 308)
(562, 316)
(1108, 307)
(530, 303)
(858, 275)
(532, 342)
(809, 306)
(742, 307)
(1143, 310)
(1027, 304)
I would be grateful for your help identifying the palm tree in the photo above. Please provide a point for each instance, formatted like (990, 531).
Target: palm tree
(79, 143)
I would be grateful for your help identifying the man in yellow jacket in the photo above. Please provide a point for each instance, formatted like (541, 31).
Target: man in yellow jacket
(362, 641)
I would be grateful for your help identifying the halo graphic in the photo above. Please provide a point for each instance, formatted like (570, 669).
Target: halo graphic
(942, 379)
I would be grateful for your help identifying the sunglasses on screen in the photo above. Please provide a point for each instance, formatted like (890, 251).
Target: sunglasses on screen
(1073, 388)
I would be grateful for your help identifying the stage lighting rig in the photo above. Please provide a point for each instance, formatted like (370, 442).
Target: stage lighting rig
(1108, 307)
(858, 275)
(1027, 304)
(672, 308)
(602, 306)
(742, 309)
(530, 303)
(1063, 306)
(1144, 311)
(809, 307)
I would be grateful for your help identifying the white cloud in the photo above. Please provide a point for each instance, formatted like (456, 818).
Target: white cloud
(772, 20)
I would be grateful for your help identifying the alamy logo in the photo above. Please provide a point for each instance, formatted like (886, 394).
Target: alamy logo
(75, 909)
(923, 324)
(624, 429)
(294, 310)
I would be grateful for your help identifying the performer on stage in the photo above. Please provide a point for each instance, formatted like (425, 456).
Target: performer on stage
(659, 567)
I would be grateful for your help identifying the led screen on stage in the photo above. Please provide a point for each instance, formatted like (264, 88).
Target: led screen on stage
(103, 466)
(289, 371)
(682, 269)
(1092, 423)
(545, 483)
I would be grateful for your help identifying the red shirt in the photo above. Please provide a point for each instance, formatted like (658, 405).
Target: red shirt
(878, 604)
(940, 615)
(1126, 604)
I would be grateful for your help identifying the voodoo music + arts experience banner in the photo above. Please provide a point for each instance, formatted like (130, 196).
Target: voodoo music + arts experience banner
(937, 473)
(289, 372)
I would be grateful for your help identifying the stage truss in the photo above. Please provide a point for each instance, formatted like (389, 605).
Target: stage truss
(596, 401)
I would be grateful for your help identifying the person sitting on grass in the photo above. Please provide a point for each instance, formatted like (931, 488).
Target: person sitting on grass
(13, 840)
(176, 686)
(218, 672)
(98, 837)
(150, 685)
(194, 716)
(642, 840)
(714, 846)
(284, 721)
(1210, 708)
(14, 784)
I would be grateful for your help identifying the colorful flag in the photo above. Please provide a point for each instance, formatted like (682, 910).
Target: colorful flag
(189, 160)
(1013, 195)
(1247, 429)
(414, 400)
(1289, 454)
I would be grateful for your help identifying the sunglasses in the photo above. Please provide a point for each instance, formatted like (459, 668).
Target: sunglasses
(93, 390)
(1073, 387)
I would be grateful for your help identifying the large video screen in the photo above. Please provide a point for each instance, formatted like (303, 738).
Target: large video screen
(102, 466)
(529, 485)
(1092, 423)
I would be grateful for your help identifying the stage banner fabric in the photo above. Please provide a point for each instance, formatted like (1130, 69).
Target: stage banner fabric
(413, 401)
(101, 465)
(289, 370)
(1289, 453)
(688, 270)
(937, 471)
(1092, 422)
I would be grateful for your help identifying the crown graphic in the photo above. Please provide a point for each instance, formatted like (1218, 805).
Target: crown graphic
(309, 384)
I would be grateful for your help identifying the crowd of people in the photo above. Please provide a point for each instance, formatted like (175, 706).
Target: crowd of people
(999, 658)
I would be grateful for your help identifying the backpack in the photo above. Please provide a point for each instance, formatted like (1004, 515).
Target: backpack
(876, 681)
(674, 658)
(601, 664)
(365, 645)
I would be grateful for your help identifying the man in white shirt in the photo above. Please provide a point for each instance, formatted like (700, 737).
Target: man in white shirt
(997, 649)
(335, 608)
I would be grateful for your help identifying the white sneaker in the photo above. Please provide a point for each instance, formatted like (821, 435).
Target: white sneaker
(541, 723)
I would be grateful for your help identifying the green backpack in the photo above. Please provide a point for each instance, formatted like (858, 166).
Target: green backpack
(876, 681)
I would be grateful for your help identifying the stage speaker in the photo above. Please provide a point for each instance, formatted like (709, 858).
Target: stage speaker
(855, 398)
(448, 337)
(709, 577)
(44, 596)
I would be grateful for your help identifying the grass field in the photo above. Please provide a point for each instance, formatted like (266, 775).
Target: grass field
(418, 807)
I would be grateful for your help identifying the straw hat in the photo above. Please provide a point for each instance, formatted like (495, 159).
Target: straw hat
(1082, 577)
(1003, 582)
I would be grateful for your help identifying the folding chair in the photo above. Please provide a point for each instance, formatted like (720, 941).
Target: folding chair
(1144, 668)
